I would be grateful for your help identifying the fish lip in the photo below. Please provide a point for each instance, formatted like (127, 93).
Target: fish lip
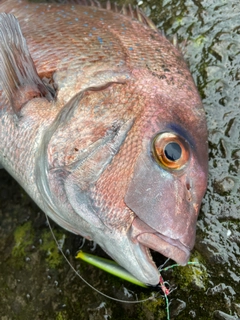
(154, 241)
(150, 238)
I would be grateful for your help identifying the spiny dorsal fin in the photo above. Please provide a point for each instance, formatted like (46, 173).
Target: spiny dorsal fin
(138, 14)
(18, 76)
(126, 10)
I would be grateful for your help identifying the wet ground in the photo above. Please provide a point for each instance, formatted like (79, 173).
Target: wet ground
(36, 282)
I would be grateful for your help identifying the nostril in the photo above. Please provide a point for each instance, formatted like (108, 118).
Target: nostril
(188, 185)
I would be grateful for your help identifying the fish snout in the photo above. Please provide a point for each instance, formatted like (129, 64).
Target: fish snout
(150, 238)
(166, 220)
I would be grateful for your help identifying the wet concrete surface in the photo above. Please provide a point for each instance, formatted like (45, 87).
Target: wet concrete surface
(37, 283)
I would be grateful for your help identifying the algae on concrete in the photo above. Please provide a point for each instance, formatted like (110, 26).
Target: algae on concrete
(23, 238)
(48, 245)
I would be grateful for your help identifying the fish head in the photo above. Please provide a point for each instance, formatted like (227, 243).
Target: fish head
(129, 179)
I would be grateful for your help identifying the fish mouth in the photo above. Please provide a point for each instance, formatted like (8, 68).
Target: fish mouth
(148, 237)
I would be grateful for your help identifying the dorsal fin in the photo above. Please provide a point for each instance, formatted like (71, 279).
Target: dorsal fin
(18, 77)
(138, 14)
(133, 12)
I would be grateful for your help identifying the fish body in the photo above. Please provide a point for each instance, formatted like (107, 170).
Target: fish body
(102, 125)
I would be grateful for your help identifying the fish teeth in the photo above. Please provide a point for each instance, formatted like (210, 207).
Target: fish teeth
(149, 254)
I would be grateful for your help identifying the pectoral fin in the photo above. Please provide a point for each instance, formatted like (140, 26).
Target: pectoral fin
(18, 76)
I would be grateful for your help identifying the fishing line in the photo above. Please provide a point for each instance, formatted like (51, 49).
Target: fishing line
(161, 285)
(86, 282)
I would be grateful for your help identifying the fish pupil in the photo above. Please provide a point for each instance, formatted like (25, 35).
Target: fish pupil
(173, 151)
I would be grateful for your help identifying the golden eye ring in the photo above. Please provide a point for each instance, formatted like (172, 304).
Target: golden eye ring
(170, 150)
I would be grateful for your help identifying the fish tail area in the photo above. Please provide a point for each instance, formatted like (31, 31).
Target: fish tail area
(18, 78)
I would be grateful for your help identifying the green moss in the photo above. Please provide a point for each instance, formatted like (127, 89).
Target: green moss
(53, 257)
(192, 274)
(23, 237)
(155, 306)
(61, 315)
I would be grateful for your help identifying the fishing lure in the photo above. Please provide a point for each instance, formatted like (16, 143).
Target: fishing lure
(109, 266)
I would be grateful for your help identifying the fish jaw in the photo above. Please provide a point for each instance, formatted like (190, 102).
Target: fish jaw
(136, 256)
(150, 238)
(132, 255)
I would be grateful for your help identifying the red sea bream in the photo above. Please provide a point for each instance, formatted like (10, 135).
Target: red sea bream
(102, 125)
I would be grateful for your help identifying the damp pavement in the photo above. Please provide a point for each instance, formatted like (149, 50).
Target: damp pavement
(35, 280)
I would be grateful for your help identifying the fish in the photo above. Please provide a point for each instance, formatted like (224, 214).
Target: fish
(102, 125)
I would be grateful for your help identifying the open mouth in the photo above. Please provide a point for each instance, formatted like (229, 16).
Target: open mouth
(150, 238)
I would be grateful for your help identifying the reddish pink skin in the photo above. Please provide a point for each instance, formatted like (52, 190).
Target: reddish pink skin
(83, 47)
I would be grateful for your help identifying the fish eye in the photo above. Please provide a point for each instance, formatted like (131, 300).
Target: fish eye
(170, 150)
(173, 151)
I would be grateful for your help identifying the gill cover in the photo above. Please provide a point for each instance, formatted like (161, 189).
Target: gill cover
(66, 184)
